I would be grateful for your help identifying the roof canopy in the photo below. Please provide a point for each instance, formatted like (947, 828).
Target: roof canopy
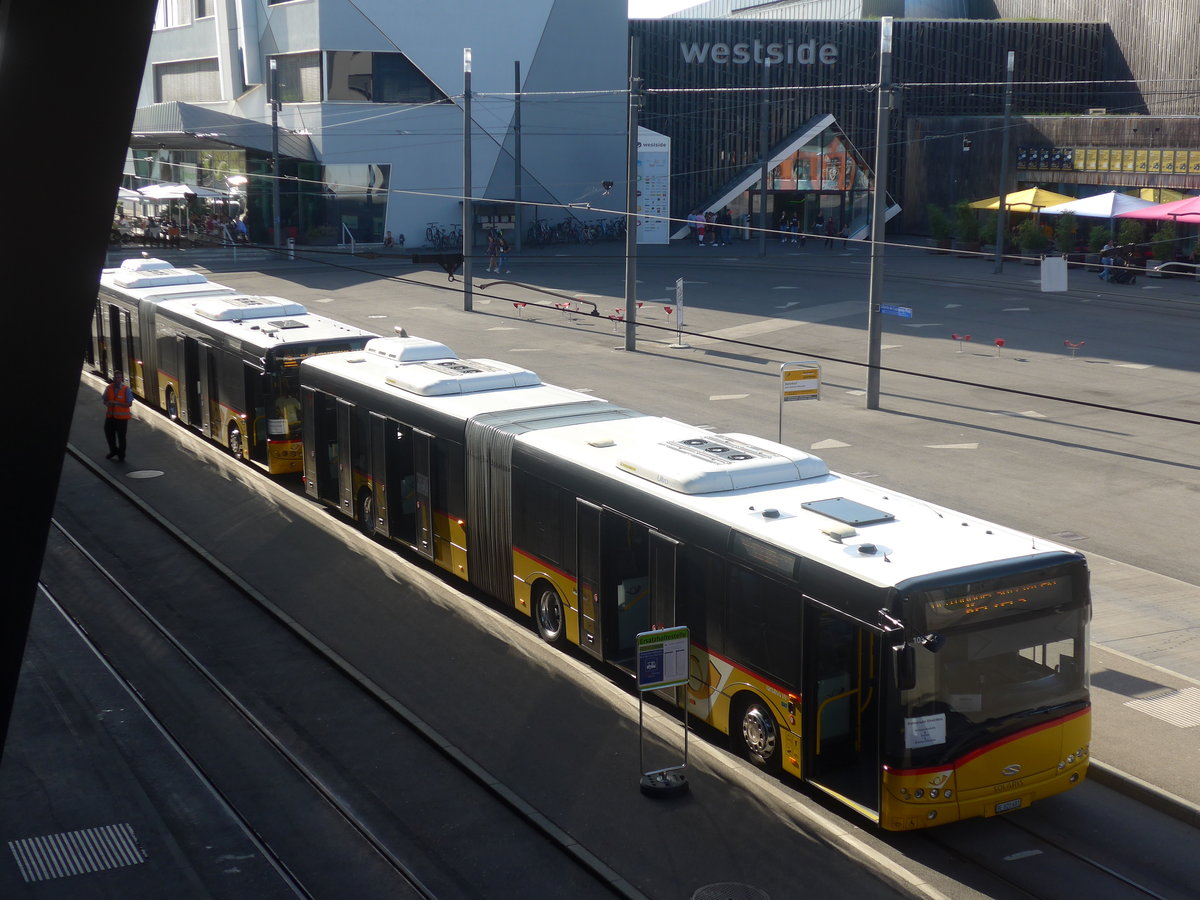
(1033, 199)
(1100, 206)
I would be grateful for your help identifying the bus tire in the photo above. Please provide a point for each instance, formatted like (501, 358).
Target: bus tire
(235, 441)
(549, 616)
(757, 733)
(172, 405)
(366, 512)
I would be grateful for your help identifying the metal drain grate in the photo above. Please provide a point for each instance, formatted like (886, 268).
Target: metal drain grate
(76, 852)
(1179, 707)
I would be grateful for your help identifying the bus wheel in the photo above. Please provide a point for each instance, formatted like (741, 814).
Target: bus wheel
(548, 613)
(366, 513)
(235, 441)
(759, 734)
(172, 405)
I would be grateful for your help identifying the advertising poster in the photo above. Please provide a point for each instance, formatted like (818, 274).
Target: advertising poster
(653, 187)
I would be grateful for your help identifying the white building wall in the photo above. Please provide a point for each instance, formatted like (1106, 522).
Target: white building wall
(573, 138)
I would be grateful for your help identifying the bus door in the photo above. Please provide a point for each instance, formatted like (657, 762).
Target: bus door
(118, 322)
(842, 705)
(345, 471)
(256, 387)
(587, 567)
(322, 480)
(191, 380)
(210, 394)
(626, 582)
(100, 339)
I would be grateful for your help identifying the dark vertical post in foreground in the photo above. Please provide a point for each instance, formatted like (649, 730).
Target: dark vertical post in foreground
(468, 209)
(631, 217)
(1002, 212)
(108, 42)
(879, 211)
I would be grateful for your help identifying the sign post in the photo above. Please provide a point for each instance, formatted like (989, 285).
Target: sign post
(797, 381)
(662, 662)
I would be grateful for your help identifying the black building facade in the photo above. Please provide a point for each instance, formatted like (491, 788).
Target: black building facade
(709, 82)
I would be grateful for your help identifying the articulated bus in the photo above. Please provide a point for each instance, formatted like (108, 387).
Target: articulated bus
(920, 665)
(220, 361)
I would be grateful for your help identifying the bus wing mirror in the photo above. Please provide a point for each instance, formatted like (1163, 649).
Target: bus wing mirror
(904, 662)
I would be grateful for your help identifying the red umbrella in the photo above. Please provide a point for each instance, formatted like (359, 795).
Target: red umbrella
(1187, 210)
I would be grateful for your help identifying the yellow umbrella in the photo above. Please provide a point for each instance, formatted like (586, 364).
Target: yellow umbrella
(1029, 200)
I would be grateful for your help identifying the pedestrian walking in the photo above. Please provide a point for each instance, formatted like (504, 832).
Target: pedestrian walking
(830, 231)
(118, 409)
(502, 251)
(725, 226)
(493, 252)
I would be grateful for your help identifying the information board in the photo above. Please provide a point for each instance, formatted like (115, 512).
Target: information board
(662, 658)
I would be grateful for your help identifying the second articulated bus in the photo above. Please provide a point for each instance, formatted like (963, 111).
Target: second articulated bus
(918, 664)
(220, 361)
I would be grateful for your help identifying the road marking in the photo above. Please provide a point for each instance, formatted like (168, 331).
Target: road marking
(1017, 309)
(728, 396)
(1028, 414)
(830, 444)
(1179, 707)
(1012, 857)
(502, 328)
(952, 446)
(922, 324)
(1131, 366)
(952, 306)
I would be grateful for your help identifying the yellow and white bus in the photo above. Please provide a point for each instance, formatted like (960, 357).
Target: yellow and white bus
(220, 361)
(918, 664)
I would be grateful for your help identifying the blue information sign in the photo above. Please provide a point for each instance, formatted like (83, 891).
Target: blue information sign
(904, 312)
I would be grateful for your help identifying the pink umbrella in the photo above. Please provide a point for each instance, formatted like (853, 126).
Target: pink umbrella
(1186, 210)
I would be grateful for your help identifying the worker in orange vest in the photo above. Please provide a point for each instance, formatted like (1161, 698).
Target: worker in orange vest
(118, 406)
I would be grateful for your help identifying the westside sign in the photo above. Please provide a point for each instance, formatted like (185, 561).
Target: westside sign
(743, 53)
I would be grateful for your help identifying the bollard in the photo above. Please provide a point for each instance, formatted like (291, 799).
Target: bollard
(961, 338)
(999, 344)
(519, 306)
(1073, 347)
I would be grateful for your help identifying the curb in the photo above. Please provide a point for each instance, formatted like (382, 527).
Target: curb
(1145, 793)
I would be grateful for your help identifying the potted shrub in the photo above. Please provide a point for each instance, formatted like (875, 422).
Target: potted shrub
(1129, 238)
(1032, 240)
(1064, 235)
(1161, 249)
(1098, 236)
(970, 231)
(939, 227)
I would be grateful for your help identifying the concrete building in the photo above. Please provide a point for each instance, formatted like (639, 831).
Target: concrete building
(370, 112)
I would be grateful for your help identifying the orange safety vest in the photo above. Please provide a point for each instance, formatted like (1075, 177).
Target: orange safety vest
(118, 412)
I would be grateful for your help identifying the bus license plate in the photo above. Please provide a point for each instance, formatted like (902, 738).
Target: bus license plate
(1008, 805)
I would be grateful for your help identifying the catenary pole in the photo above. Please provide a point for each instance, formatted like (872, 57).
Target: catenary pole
(764, 112)
(879, 212)
(275, 217)
(631, 220)
(1002, 213)
(517, 229)
(468, 212)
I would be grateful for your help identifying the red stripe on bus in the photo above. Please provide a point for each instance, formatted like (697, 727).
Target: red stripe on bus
(989, 747)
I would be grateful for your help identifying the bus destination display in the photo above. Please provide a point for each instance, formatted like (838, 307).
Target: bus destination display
(941, 610)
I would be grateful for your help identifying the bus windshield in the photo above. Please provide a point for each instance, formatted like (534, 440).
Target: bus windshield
(977, 683)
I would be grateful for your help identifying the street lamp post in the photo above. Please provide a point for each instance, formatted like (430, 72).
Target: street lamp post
(275, 218)
(468, 210)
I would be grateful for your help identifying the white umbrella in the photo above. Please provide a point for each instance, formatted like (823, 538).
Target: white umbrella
(180, 192)
(124, 194)
(1100, 206)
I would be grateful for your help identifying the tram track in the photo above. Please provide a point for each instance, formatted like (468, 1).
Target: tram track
(1038, 864)
(245, 655)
